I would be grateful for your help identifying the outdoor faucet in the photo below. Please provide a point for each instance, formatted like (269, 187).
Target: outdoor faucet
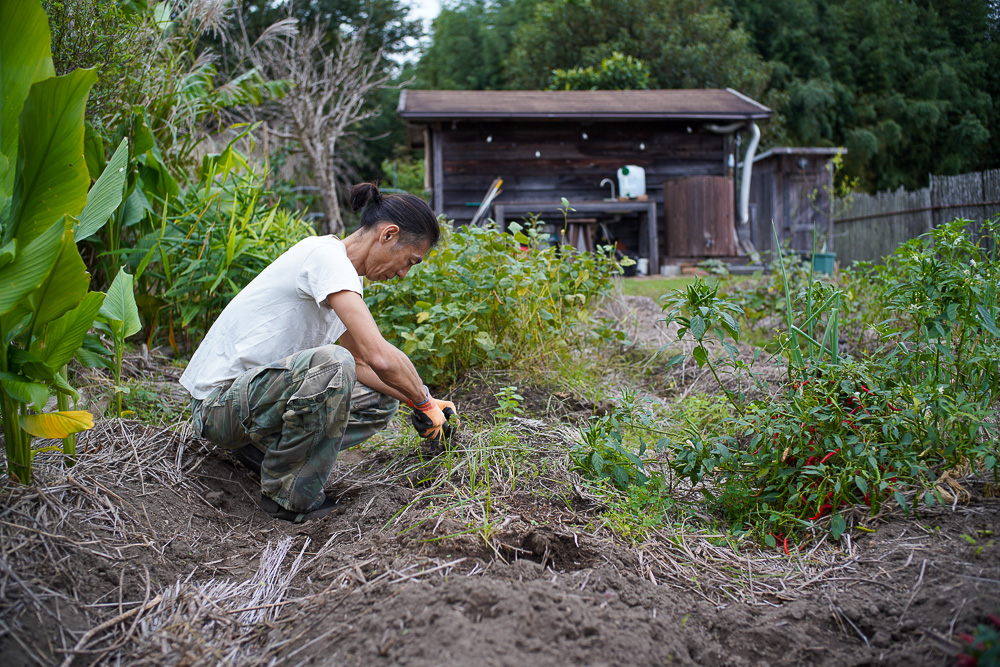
(612, 184)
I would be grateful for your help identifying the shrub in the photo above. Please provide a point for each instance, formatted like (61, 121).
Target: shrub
(604, 452)
(214, 239)
(487, 298)
(859, 431)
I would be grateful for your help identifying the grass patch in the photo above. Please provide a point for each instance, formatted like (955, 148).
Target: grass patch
(654, 286)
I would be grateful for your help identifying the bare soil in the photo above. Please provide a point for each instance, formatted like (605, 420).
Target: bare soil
(151, 550)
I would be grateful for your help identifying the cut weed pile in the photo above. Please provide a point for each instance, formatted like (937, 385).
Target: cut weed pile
(151, 550)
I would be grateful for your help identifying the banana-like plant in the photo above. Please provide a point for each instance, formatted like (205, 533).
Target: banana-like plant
(46, 307)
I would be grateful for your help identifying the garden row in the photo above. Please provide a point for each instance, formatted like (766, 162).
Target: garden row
(842, 434)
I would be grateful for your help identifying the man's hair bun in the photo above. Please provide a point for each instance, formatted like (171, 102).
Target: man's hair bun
(363, 194)
(414, 217)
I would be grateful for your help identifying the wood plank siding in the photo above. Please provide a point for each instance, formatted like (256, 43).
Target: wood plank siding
(791, 188)
(546, 145)
(541, 160)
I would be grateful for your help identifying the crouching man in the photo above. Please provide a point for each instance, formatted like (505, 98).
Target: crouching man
(295, 368)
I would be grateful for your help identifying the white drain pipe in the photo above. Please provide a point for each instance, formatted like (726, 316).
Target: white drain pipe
(747, 163)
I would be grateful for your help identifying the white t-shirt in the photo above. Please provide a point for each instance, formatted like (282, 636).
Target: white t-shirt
(282, 311)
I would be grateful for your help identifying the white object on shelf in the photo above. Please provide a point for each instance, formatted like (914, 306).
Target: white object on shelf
(631, 181)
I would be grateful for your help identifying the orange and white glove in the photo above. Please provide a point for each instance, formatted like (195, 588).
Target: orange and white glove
(431, 417)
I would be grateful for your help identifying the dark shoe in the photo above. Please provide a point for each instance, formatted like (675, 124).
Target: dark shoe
(251, 458)
(278, 512)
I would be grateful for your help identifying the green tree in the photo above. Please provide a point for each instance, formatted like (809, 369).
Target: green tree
(471, 40)
(907, 87)
(113, 38)
(619, 72)
(684, 43)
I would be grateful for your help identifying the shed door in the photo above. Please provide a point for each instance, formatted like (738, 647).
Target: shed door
(699, 217)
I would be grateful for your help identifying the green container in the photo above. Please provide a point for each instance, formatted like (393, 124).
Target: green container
(823, 262)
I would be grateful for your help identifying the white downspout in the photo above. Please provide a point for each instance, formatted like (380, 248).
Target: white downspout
(747, 162)
(747, 168)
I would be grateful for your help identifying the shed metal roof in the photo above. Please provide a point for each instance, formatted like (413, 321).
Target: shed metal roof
(701, 104)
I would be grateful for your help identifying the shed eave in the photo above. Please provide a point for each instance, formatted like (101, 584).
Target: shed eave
(417, 117)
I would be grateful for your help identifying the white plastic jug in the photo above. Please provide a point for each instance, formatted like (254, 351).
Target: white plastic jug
(631, 181)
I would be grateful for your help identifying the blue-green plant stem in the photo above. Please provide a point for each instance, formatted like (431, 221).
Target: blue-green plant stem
(796, 353)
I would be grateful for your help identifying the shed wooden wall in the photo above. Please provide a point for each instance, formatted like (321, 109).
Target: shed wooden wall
(546, 160)
(795, 198)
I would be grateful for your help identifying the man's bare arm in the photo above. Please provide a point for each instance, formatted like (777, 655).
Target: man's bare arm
(390, 367)
(365, 373)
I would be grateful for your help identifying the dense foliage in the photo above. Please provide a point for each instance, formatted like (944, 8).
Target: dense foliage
(844, 434)
(46, 306)
(483, 297)
(683, 43)
(907, 87)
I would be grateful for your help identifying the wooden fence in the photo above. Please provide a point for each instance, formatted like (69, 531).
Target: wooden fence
(870, 227)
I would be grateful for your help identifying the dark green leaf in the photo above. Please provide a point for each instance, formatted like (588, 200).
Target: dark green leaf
(837, 526)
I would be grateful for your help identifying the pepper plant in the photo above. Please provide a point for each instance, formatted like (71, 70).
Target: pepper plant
(46, 307)
(860, 431)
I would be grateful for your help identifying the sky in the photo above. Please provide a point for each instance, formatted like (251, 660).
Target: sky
(426, 10)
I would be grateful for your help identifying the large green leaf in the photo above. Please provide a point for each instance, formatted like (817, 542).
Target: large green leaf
(29, 365)
(60, 339)
(63, 288)
(136, 206)
(7, 253)
(119, 304)
(54, 174)
(30, 266)
(23, 390)
(106, 195)
(93, 151)
(25, 57)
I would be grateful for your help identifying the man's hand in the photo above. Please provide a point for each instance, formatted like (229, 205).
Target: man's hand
(432, 418)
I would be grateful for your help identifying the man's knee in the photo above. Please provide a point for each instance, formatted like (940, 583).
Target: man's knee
(324, 368)
(333, 354)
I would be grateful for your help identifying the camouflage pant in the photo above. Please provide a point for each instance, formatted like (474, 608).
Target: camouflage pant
(299, 412)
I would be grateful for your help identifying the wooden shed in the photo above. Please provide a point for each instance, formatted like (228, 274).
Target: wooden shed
(791, 187)
(546, 145)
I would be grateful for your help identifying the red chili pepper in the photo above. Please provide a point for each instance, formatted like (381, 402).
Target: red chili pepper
(865, 389)
(822, 510)
(827, 457)
(785, 544)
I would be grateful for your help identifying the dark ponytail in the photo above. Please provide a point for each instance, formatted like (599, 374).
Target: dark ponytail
(414, 217)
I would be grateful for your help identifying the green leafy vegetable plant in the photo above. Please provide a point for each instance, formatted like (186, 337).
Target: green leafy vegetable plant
(604, 450)
(120, 317)
(860, 432)
(46, 308)
(487, 298)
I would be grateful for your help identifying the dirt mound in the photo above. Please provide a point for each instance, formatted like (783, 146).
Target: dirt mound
(151, 550)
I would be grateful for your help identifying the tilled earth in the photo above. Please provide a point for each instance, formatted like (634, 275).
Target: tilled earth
(387, 581)
(151, 551)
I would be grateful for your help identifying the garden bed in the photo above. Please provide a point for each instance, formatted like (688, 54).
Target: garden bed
(151, 550)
